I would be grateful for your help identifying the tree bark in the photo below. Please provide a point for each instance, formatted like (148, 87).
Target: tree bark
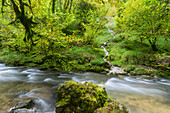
(53, 6)
(154, 48)
(153, 45)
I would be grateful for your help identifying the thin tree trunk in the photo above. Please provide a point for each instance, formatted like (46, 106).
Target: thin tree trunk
(153, 45)
(154, 48)
(53, 6)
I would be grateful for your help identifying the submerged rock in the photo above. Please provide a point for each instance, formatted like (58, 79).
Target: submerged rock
(121, 77)
(117, 71)
(74, 97)
(23, 110)
(145, 76)
(23, 107)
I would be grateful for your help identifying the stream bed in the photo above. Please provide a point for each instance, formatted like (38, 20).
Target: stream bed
(139, 95)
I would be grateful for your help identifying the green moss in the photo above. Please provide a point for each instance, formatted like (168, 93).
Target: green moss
(103, 37)
(112, 106)
(164, 74)
(76, 59)
(74, 97)
(79, 98)
(141, 71)
(129, 68)
(12, 57)
(97, 61)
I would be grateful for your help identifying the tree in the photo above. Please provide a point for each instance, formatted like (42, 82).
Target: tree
(20, 14)
(147, 18)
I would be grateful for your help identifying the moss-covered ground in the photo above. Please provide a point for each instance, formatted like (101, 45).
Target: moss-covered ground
(137, 57)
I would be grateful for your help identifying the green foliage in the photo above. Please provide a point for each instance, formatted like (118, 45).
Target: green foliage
(97, 61)
(102, 37)
(145, 18)
(141, 71)
(60, 26)
(127, 52)
(83, 58)
(14, 58)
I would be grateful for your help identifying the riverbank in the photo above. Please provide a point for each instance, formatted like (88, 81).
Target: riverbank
(134, 57)
(77, 59)
(137, 57)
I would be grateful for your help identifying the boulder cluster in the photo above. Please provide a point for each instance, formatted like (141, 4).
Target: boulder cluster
(74, 97)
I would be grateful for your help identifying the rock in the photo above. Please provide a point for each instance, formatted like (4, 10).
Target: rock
(23, 106)
(129, 68)
(141, 71)
(121, 77)
(105, 64)
(117, 71)
(74, 97)
(79, 97)
(23, 110)
(145, 76)
(123, 73)
(112, 106)
(133, 73)
(108, 74)
(97, 69)
(107, 70)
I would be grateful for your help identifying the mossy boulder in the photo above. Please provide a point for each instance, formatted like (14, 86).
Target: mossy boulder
(97, 69)
(112, 106)
(105, 64)
(74, 97)
(141, 71)
(129, 68)
(80, 97)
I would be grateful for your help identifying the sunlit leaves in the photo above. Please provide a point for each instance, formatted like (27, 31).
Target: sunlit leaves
(147, 17)
(48, 34)
(114, 3)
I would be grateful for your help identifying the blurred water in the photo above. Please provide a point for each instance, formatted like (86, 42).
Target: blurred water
(139, 95)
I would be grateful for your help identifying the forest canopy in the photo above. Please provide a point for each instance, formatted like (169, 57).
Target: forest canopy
(146, 18)
(46, 30)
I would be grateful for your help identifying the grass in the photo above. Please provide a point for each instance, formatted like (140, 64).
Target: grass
(103, 37)
(131, 51)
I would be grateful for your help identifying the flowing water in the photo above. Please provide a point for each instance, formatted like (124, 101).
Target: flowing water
(139, 95)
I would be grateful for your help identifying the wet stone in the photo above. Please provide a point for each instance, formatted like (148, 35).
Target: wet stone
(145, 76)
(112, 106)
(23, 107)
(23, 110)
(121, 77)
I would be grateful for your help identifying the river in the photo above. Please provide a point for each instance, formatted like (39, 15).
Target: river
(139, 95)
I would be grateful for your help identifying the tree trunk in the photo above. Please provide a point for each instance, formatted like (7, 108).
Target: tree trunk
(154, 48)
(53, 6)
(153, 45)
